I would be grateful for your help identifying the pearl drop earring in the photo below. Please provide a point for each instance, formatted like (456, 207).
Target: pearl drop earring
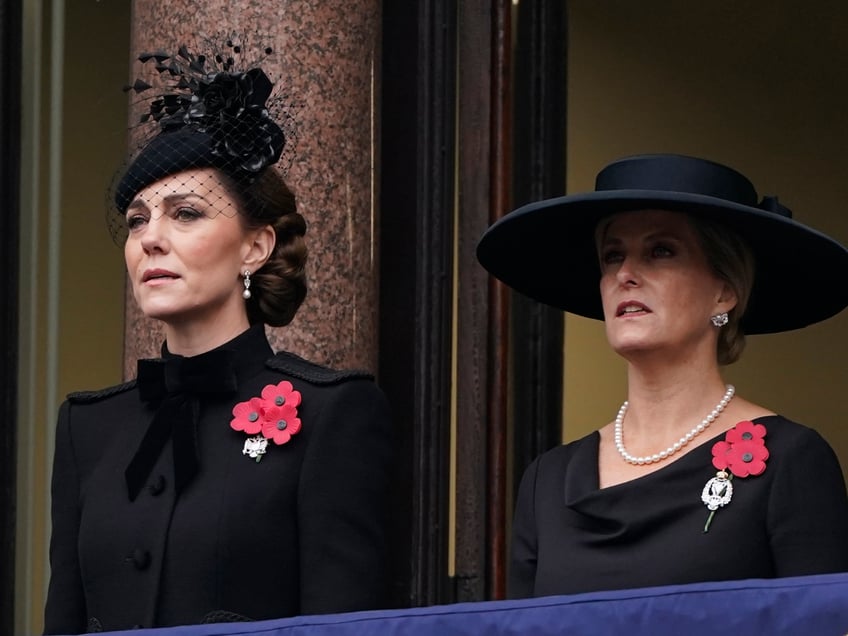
(246, 293)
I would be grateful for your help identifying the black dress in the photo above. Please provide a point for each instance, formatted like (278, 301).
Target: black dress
(569, 536)
(299, 532)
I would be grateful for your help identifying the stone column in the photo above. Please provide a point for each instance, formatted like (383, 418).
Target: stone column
(327, 56)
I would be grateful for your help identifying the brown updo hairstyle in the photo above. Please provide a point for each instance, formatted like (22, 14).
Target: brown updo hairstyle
(732, 261)
(278, 287)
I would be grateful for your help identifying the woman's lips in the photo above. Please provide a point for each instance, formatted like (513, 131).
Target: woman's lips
(156, 275)
(631, 308)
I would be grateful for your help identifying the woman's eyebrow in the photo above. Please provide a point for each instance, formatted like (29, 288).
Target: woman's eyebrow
(652, 236)
(169, 199)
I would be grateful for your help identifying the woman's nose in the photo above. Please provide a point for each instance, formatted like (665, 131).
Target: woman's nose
(628, 272)
(154, 236)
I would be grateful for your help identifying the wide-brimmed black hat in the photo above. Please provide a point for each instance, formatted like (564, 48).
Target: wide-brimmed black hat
(546, 250)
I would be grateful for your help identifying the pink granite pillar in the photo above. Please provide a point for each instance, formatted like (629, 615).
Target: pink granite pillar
(327, 55)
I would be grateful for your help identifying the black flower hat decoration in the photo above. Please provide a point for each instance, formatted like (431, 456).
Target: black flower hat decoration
(208, 111)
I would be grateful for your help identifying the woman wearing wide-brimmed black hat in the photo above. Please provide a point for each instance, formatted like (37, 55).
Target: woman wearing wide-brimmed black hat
(689, 482)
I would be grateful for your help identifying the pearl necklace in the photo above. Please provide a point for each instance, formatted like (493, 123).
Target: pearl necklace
(671, 450)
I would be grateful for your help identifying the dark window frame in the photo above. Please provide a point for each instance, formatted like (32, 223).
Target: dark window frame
(10, 115)
(447, 120)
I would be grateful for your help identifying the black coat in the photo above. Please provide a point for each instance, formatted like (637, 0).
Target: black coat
(299, 532)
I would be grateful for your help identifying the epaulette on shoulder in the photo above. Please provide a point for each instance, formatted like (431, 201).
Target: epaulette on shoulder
(86, 397)
(315, 373)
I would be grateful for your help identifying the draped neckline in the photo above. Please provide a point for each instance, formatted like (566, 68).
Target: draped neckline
(582, 480)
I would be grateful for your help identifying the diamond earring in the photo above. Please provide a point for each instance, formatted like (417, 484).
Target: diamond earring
(719, 320)
(246, 293)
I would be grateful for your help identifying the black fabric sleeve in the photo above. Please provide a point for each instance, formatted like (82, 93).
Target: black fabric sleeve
(65, 611)
(522, 571)
(808, 511)
(343, 503)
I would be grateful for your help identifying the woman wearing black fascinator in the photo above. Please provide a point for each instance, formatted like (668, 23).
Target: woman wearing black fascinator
(689, 482)
(226, 482)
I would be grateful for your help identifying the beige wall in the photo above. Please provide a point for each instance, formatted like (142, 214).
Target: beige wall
(71, 275)
(756, 84)
(94, 143)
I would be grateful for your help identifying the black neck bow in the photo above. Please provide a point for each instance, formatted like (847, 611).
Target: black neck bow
(176, 384)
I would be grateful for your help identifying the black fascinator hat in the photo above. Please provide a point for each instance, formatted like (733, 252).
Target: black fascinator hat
(546, 250)
(205, 113)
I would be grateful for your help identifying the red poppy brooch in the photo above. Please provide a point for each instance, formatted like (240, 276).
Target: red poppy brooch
(273, 416)
(743, 452)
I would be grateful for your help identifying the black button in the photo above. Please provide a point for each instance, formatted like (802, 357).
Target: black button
(157, 486)
(140, 559)
(137, 626)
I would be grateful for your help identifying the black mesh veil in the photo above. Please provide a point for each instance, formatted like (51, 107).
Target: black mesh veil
(217, 111)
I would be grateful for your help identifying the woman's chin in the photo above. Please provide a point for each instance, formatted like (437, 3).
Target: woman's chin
(158, 311)
(634, 346)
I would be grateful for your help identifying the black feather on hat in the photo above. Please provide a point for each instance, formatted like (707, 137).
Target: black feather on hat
(212, 116)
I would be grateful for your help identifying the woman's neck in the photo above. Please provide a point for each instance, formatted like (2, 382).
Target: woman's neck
(665, 402)
(191, 339)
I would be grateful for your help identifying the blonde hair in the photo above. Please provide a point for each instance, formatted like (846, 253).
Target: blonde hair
(733, 262)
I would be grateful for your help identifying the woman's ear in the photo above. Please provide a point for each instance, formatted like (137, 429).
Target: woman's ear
(260, 246)
(727, 299)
